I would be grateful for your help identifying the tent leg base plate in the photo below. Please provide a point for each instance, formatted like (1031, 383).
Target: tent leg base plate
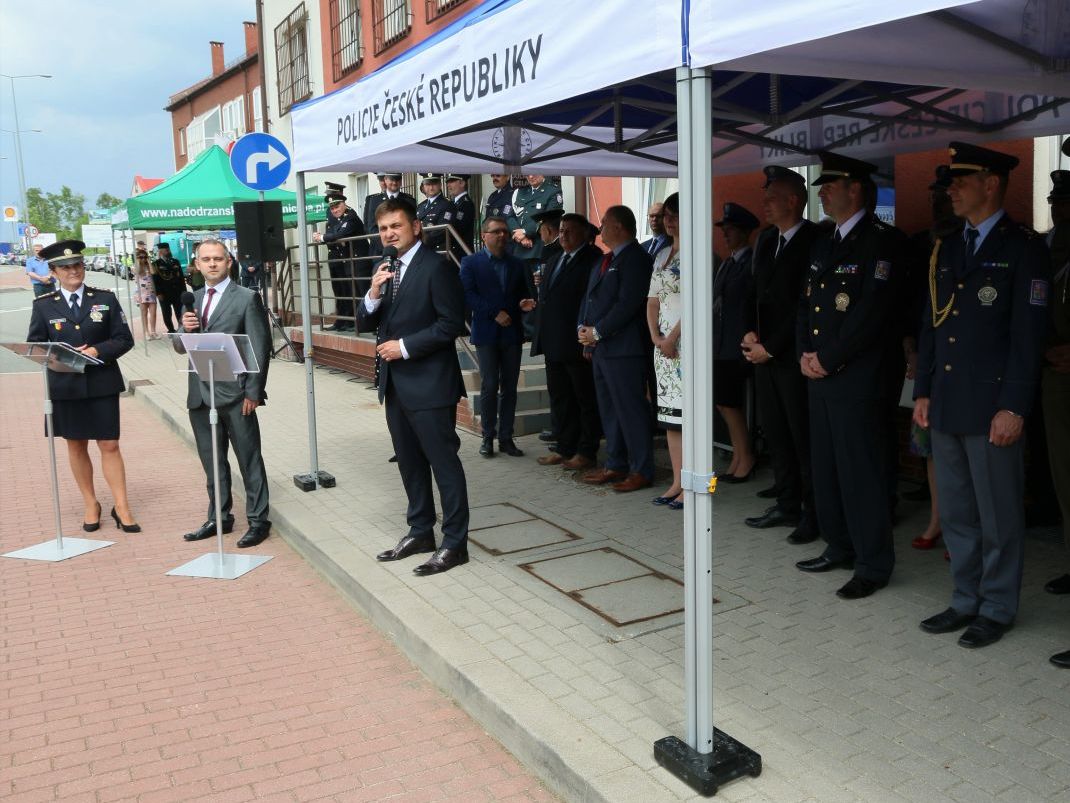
(309, 482)
(706, 773)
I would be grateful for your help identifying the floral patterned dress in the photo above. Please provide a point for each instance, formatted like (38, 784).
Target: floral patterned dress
(665, 287)
(146, 291)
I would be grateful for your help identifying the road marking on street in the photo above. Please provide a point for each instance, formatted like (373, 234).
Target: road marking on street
(16, 309)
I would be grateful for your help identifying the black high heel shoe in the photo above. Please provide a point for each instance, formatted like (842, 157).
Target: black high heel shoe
(735, 479)
(92, 527)
(126, 528)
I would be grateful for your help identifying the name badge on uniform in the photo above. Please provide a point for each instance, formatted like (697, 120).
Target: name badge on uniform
(57, 323)
(987, 294)
(842, 301)
(995, 264)
(848, 270)
(1038, 293)
(883, 270)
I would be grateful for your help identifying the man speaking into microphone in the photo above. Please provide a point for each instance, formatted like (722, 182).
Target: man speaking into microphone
(416, 304)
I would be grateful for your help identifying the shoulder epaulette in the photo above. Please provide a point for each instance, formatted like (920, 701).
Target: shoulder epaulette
(53, 294)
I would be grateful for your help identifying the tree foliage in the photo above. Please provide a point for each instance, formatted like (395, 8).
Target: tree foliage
(58, 212)
(107, 201)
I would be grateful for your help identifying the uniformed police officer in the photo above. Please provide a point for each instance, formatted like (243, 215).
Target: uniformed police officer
(343, 223)
(464, 209)
(434, 210)
(540, 195)
(85, 406)
(1055, 381)
(842, 348)
(389, 187)
(978, 363)
(500, 202)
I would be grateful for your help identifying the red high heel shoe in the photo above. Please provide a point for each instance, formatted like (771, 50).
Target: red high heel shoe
(921, 542)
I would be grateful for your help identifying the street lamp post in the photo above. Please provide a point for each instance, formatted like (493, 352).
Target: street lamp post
(18, 144)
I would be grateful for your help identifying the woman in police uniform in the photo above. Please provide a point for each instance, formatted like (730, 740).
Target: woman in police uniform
(85, 406)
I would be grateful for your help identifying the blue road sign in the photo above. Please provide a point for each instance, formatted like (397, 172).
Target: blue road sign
(260, 161)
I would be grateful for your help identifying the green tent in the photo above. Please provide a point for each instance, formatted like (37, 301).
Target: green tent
(201, 196)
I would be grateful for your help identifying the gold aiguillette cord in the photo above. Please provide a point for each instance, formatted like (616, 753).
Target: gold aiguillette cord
(939, 315)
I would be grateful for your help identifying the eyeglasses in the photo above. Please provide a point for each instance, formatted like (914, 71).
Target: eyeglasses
(496, 231)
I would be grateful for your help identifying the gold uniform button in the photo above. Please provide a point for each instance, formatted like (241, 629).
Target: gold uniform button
(951, 340)
(961, 286)
(822, 285)
(947, 367)
(816, 331)
(817, 309)
(955, 312)
(76, 326)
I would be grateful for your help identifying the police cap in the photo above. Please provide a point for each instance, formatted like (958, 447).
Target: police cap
(738, 216)
(778, 173)
(430, 178)
(551, 216)
(835, 166)
(458, 177)
(332, 187)
(333, 198)
(1060, 186)
(63, 252)
(1066, 147)
(392, 176)
(967, 159)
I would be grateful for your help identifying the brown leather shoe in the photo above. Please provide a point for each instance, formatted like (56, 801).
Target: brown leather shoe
(552, 459)
(576, 462)
(633, 482)
(600, 476)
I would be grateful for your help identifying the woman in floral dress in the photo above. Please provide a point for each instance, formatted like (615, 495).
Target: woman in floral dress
(663, 319)
(146, 293)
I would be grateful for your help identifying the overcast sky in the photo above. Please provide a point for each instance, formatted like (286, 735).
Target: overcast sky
(114, 65)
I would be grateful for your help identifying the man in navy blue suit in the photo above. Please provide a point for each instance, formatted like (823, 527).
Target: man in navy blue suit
(496, 291)
(612, 328)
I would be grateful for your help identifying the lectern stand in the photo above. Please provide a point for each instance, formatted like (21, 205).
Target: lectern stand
(63, 359)
(217, 357)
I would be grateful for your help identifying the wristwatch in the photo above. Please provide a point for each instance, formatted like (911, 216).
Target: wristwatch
(597, 336)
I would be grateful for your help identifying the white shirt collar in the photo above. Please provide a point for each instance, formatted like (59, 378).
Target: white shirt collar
(459, 196)
(845, 228)
(219, 288)
(739, 252)
(406, 258)
(787, 235)
(68, 293)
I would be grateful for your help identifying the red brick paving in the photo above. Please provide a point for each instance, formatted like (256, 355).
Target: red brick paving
(119, 683)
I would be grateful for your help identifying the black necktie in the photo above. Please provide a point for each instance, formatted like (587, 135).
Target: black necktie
(556, 269)
(396, 283)
(836, 238)
(781, 244)
(75, 309)
(971, 244)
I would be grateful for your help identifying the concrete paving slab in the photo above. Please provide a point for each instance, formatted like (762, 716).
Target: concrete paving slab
(504, 539)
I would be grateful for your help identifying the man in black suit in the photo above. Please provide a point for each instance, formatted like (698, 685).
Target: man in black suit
(569, 379)
(464, 210)
(841, 345)
(389, 187)
(781, 261)
(416, 304)
(613, 327)
(225, 306)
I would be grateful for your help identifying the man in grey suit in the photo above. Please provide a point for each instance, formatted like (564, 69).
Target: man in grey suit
(224, 306)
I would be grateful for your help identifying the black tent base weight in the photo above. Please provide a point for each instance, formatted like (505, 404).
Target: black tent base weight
(705, 774)
(309, 482)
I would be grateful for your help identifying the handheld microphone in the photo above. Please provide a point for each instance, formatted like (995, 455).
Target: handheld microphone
(188, 302)
(390, 253)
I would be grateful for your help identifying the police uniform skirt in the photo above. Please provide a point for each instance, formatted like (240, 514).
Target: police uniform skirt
(729, 382)
(93, 419)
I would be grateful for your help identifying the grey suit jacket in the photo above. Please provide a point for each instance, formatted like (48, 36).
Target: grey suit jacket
(239, 312)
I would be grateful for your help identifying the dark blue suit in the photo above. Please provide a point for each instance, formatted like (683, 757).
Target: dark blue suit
(985, 356)
(486, 293)
(615, 305)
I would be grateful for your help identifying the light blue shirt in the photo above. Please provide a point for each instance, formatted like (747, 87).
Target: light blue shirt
(37, 269)
(983, 228)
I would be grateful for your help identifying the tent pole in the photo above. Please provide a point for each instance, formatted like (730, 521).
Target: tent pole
(709, 757)
(315, 477)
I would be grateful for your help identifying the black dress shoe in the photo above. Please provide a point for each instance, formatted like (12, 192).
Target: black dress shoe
(254, 536)
(409, 545)
(1058, 585)
(773, 517)
(509, 448)
(769, 493)
(803, 534)
(442, 561)
(735, 479)
(823, 564)
(487, 447)
(858, 588)
(982, 632)
(947, 621)
(1061, 659)
(546, 436)
(93, 526)
(126, 528)
(207, 530)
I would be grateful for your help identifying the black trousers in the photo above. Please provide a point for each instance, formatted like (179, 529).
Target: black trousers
(499, 371)
(783, 409)
(849, 466)
(171, 310)
(243, 433)
(343, 288)
(426, 442)
(574, 407)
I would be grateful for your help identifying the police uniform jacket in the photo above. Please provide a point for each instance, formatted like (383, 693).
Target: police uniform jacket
(435, 212)
(499, 203)
(526, 202)
(168, 280)
(779, 279)
(338, 228)
(1059, 244)
(731, 287)
(986, 355)
(100, 323)
(464, 218)
(845, 310)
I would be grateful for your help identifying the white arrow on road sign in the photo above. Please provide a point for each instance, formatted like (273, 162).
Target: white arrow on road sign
(273, 158)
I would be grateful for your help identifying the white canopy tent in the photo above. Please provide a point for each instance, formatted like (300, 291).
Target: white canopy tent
(728, 86)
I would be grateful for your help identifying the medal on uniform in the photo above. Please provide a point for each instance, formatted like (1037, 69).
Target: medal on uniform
(807, 290)
(842, 300)
(96, 316)
(987, 294)
(57, 323)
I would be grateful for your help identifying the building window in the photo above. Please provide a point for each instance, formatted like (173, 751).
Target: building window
(258, 110)
(436, 8)
(202, 131)
(182, 142)
(234, 117)
(391, 22)
(291, 56)
(347, 47)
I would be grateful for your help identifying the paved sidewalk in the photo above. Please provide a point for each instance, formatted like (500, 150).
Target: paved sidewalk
(118, 682)
(846, 701)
